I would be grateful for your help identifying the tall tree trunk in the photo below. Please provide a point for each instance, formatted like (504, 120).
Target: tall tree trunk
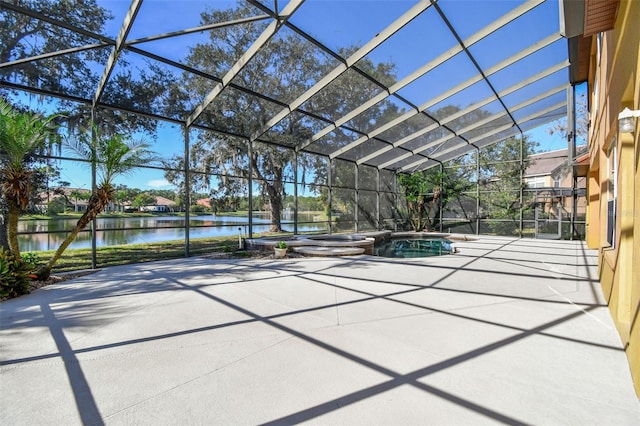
(94, 207)
(275, 208)
(419, 214)
(436, 215)
(415, 210)
(274, 192)
(12, 230)
(429, 225)
(4, 238)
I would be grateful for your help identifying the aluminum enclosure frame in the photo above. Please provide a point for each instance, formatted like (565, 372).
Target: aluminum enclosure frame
(523, 93)
(282, 18)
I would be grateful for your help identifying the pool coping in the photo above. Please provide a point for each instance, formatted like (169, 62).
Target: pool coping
(364, 240)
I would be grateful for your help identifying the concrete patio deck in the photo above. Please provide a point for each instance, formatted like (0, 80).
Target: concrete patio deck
(507, 331)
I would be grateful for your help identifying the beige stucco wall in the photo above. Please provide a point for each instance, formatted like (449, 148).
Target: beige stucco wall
(615, 84)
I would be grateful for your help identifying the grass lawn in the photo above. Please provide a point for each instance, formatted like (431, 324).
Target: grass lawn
(76, 259)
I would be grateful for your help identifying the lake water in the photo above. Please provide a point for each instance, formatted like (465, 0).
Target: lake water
(121, 231)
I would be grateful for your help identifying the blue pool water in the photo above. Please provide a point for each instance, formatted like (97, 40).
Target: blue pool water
(399, 248)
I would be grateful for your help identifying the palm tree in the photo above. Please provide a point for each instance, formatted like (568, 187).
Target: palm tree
(22, 135)
(78, 194)
(113, 156)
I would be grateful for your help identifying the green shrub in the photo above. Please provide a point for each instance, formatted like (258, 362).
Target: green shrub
(197, 209)
(56, 206)
(14, 275)
(32, 259)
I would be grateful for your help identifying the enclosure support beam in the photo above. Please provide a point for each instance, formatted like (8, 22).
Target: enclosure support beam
(250, 185)
(187, 190)
(441, 195)
(477, 191)
(94, 224)
(355, 199)
(329, 189)
(200, 29)
(49, 55)
(574, 208)
(349, 62)
(477, 65)
(489, 29)
(571, 122)
(252, 51)
(459, 114)
(459, 88)
(11, 5)
(396, 197)
(571, 136)
(295, 192)
(378, 224)
(117, 49)
(521, 218)
(481, 139)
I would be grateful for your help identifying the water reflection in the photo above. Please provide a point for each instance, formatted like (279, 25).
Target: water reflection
(118, 231)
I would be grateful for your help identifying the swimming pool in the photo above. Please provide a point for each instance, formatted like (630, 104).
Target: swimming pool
(415, 247)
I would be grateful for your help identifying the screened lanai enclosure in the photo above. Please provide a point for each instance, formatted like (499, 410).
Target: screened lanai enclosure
(298, 117)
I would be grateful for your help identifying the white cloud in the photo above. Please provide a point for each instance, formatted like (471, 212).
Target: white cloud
(158, 183)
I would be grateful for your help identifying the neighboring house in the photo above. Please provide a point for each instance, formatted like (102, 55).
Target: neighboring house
(550, 174)
(606, 53)
(205, 202)
(154, 208)
(548, 170)
(68, 196)
(79, 204)
(162, 204)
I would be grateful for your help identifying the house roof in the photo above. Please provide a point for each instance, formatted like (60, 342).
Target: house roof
(584, 19)
(204, 202)
(581, 164)
(52, 194)
(162, 201)
(546, 163)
